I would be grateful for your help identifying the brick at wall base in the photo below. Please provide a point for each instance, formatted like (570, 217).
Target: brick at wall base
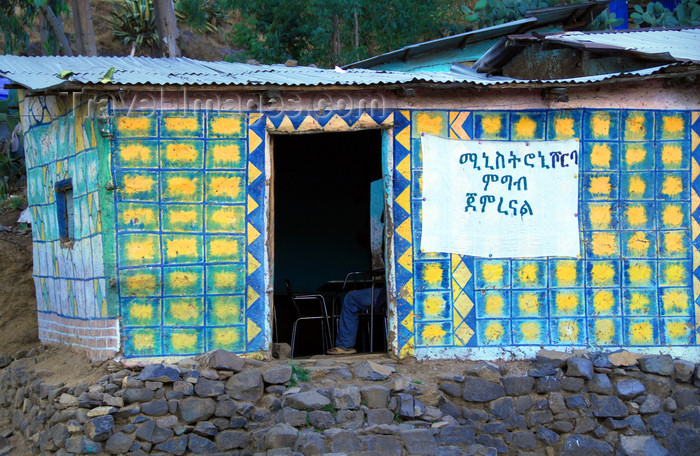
(98, 339)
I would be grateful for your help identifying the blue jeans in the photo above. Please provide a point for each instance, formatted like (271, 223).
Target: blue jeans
(355, 303)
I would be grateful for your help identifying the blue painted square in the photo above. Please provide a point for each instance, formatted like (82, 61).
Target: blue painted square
(637, 125)
(568, 331)
(677, 331)
(438, 334)
(603, 273)
(601, 156)
(231, 338)
(136, 153)
(182, 186)
(637, 157)
(673, 155)
(181, 154)
(641, 331)
(605, 331)
(226, 154)
(603, 302)
(137, 217)
(601, 125)
(529, 273)
(602, 244)
(492, 274)
(675, 273)
(675, 244)
(139, 342)
(639, 244)
(600, 186)
(433, 305)
(673, 215)
(180, 124)
(675, 302)
(183, 341)
(640, 302)
(529, 304)
(183, 311)
(672, 125)
(600, 215)
(637, 215)
(562, 125)
(141, 312)
(490, 125)
(225, 310)
(226, 279)
(493, 332)
(137, 185)
(431, 275)
(528, 126)
(492, 304)
(637, 186)
(530, 332)
(567, 302)
(225, 186)
(183, 281)
(227, 125)
(565, 273)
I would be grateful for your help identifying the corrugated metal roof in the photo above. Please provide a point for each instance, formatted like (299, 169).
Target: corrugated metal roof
(39, 73)
(659, 45)
(580, 13)
(488, 79)
(681, 45)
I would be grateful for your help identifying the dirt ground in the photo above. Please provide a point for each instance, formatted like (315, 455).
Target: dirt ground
(18, 327)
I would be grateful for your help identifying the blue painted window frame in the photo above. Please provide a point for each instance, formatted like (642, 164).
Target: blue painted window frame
(64, 210)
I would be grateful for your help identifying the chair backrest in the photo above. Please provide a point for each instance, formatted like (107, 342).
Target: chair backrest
(290, 294)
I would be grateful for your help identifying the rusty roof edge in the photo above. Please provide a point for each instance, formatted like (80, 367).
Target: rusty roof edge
(672, 70)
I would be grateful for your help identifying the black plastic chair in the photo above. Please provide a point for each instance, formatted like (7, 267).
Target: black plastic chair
(360, 280)
(302, 304)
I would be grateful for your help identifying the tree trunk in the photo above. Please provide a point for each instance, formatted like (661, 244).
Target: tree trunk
(57, 30)
(335, 40)
(167, 27)
(357, 29)
(84, 32)
(43, 34)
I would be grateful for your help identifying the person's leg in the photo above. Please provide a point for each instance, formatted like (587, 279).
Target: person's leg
(355, 302)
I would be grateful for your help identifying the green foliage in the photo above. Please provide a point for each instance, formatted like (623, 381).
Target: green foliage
(13, 203)
(11, 169)
(655, 15)
(134, 23)
(324, 32)
(17, 19)
(203, 16)
(487, 13)
(687, 13)
(299, 374)
(605, 21)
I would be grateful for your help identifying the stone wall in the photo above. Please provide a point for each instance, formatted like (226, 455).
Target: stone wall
(559, 404)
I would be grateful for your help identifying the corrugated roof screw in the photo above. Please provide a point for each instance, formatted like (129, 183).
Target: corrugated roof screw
(556, 94)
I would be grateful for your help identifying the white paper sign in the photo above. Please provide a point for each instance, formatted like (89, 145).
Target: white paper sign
(500, 199)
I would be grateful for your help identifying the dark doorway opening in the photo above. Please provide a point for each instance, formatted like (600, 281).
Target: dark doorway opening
(321, 217)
